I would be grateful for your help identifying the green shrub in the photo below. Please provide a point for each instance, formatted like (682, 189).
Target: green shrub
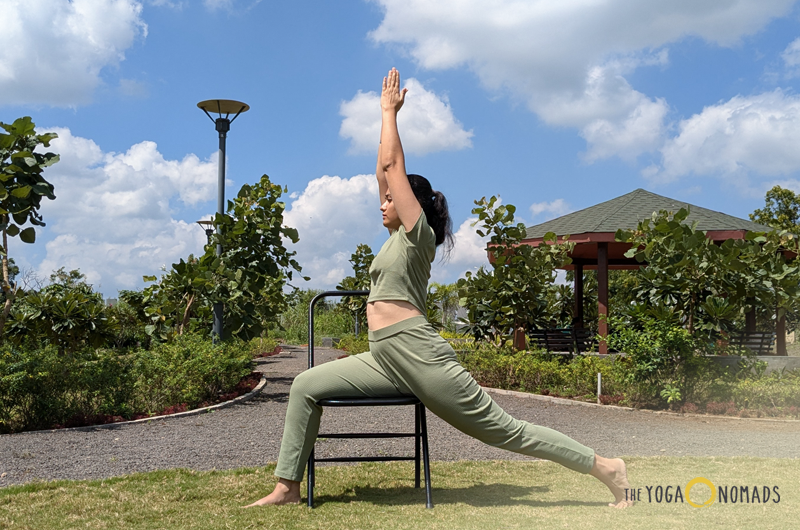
(330, 319)
(539, 372)
(41, 388)
(354, 345)
(190, 369)
(777, 389)
(662, 363)
(262, 346)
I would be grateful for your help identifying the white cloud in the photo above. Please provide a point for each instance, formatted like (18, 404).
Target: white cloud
(426, 122)
(567, 60)
(552, 209)
(791, 57)
(332, 216)
(52, 51)
(167, 3)
(740, 139)
(213, 5)
(114, 213)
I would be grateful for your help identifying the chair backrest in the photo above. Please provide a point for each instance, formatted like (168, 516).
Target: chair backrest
(320, 296)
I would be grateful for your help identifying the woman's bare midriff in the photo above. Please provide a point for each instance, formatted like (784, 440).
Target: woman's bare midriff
(384, 313)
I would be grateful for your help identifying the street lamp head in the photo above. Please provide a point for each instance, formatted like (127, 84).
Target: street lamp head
(208, 227)
(220, 107)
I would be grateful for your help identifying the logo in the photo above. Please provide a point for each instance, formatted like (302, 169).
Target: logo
(756, 494)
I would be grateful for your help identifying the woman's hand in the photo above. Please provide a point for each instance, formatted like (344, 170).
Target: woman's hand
(392, 98)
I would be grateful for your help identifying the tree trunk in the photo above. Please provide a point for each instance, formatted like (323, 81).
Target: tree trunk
(187, 315)
(7, 290)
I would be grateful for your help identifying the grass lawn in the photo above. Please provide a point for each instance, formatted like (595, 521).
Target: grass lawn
(469, 495)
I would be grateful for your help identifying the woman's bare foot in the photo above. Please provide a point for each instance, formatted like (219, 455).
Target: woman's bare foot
(612, 473)
(285, 492)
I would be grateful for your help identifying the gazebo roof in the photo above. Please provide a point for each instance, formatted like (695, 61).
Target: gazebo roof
(627, 210)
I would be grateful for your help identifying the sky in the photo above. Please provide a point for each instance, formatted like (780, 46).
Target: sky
(553, 105)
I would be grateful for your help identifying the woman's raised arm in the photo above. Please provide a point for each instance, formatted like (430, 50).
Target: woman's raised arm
(391, 160)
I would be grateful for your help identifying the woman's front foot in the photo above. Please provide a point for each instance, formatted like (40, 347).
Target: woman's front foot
(613, 473)
(285, 492)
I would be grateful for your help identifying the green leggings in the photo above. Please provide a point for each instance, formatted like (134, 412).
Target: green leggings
(410, 357)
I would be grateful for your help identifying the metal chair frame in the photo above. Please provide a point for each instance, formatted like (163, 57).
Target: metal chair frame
(420, 433)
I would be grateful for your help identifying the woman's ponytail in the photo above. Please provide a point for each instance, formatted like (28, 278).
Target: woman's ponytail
(434, 204)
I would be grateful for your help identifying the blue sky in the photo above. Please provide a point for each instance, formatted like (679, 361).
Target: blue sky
(555, 105)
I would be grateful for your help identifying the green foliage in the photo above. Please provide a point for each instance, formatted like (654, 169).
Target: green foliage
(707, 285)
(514, 293)
(248, 278)
(353, 344)
(361, 260)
(776, 390)
(128, 327)
(442, 304)
(259, 346)
(23, 185)
(539, 372)
(329, 319)
(781, 211)
(189, 370)
(67, 313)
(41, 388)
(659, 356)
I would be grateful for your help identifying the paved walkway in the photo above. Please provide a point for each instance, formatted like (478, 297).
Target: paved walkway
(249, 435)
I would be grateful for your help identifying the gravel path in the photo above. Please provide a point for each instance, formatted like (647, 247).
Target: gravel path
(249, 434)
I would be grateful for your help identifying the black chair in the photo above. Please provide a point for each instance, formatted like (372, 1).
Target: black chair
(420, 433)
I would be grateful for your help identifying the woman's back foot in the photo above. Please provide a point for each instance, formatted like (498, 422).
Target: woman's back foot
(285, 492)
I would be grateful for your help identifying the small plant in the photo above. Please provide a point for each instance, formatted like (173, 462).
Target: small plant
(672, 394)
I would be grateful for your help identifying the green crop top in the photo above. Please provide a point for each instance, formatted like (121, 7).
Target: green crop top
(402, 268)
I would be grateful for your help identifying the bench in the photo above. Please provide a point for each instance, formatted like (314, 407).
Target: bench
(574, 340)
(759, 342)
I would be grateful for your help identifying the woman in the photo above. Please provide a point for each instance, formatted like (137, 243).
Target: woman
(406, 355)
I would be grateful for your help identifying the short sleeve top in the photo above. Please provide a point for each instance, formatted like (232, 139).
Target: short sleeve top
(402, 268)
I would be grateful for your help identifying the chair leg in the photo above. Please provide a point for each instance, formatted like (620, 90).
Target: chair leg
(426, 458)
(417, 436)
(311, 479)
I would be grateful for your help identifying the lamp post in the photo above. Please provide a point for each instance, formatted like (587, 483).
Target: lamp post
(223, 125)
(208, 227)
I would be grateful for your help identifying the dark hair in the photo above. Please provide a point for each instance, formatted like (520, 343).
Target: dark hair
(435, 207)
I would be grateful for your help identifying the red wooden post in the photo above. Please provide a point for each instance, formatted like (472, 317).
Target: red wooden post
(602, 295)
(780, 336)
(578, 320)
(520, 340)
(750, 316)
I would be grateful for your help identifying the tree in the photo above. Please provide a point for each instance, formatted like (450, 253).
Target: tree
(705, 285)
(361, 260)
(248, 278)
(23, 187)
(781, 211)
(66, 313)
(685, 269)
(443, 304)
(513, 294)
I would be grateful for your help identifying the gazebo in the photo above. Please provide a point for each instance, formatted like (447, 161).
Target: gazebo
(592, 230)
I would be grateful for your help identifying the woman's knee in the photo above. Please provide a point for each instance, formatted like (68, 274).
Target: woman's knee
(303, 386)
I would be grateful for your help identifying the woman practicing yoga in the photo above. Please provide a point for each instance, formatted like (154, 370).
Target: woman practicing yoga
(406, 355)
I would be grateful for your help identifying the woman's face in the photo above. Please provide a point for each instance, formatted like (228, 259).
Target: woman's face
(390, 218)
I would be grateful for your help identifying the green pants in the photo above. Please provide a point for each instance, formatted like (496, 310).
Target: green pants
(410, 357)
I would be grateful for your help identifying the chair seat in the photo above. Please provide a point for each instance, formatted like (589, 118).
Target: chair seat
(368, 401)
